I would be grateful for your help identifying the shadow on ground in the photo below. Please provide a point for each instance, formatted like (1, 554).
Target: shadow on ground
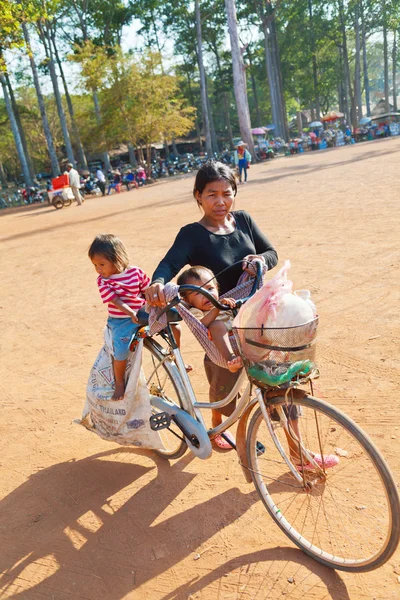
(97, 547)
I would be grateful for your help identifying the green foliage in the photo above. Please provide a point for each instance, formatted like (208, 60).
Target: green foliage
(143, 99)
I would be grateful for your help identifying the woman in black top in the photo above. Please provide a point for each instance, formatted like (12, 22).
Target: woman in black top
(219, 239)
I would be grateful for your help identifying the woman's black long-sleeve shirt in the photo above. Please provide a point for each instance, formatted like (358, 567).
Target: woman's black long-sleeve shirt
(195, 245)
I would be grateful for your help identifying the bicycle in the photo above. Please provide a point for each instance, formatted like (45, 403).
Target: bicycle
(327, 513)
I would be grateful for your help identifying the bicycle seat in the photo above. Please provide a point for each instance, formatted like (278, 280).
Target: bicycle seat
(172, 316)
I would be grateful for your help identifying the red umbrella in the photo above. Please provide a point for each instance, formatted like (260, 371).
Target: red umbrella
(332, 116)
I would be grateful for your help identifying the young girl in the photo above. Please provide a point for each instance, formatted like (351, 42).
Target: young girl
(218, 322)
(121, 286)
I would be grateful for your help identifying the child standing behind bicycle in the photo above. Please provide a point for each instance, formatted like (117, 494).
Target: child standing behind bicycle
(121, 286)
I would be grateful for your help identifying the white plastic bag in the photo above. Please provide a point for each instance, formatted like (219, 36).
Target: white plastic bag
(262, 319)
(123, 421)
(291, 311)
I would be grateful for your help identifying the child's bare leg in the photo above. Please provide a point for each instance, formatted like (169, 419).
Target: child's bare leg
(220, 337)
(176, 329)
(119, 376)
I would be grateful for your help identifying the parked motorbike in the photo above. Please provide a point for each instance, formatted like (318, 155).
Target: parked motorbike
(89, 185)
(32, 194)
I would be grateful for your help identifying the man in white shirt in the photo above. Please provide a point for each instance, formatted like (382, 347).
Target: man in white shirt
(74, 183)
(102, 180)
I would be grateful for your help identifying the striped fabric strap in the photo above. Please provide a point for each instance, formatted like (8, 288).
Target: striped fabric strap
(200, 331)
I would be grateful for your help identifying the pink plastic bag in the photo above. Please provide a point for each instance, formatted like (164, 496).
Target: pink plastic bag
(261, 306)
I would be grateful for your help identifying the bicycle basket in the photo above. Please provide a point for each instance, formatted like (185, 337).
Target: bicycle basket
(270, 355)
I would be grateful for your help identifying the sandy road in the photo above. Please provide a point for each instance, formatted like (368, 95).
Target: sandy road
(84, 519)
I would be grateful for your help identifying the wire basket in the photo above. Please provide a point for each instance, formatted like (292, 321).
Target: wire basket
(276, 349)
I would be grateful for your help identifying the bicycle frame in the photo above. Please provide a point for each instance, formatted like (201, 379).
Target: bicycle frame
(241, 413)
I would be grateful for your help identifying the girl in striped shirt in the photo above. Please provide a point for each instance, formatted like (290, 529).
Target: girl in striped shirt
(121, 287)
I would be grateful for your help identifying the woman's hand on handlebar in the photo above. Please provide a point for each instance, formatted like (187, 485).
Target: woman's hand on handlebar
(155, 295)
(247, 260)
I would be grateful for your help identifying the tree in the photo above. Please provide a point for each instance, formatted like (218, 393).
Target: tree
(10, 37)
(239, 77)
(44, 27)
(142, 102)
(203, 90)
(28, 13)
(94, 63)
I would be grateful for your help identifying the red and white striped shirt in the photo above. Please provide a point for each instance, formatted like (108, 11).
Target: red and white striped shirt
(128, 286)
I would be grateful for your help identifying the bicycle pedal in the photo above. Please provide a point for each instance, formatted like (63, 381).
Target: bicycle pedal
(160, 421)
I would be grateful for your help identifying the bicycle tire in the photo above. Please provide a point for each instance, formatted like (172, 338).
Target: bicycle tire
(163, 380)
(358, 528)
(67, 201)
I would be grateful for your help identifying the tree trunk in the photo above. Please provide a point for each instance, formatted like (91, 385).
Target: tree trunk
(166, 148)
(198, 133)
(214, 141)
(45, 38)
(254, 89)
(394, 70)
(174, 148)
(3, 177)
(106, 158)
(271, 79)
(203, 93)
(365, 63)
(224, 97)
(20, 127)
(75, 131)
(385, 58)
(314, 61)
(278, 71)
(357, 74)
(239, 78)
(15, 132)
(346, 68)
(55, 167)
(227, 120)
(132, 156)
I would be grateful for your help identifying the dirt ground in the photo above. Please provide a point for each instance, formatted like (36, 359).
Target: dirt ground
(83, 518)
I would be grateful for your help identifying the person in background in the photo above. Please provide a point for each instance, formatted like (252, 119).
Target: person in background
(116, 184)
(101, 181)
(141, 175)
(74, 183)
(130, 180)
(242, 160)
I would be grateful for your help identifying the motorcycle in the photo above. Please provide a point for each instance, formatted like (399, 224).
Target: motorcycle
(32, 194)
(90, 186)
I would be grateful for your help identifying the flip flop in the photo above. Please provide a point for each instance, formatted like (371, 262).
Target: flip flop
(220, 442)
(188, 368)
(330, 461)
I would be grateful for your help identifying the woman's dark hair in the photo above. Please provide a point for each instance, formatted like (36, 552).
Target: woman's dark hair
(212, 171)
(111, 247)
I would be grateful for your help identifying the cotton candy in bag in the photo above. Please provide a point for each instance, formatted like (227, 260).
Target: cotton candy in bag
(272, 307)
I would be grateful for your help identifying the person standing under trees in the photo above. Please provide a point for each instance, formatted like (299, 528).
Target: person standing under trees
(74, 183)
(101, 181)
(242, 160)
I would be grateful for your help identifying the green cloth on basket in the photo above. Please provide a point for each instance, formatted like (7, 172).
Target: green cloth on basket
(276, 376)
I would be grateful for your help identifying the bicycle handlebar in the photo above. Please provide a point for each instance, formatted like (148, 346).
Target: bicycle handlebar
(200, 290)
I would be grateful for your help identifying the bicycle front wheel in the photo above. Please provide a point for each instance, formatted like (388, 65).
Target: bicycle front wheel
(163, 380)
(347, 516)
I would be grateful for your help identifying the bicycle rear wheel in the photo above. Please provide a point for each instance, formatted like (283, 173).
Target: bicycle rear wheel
(163, 380)
(349, 518)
